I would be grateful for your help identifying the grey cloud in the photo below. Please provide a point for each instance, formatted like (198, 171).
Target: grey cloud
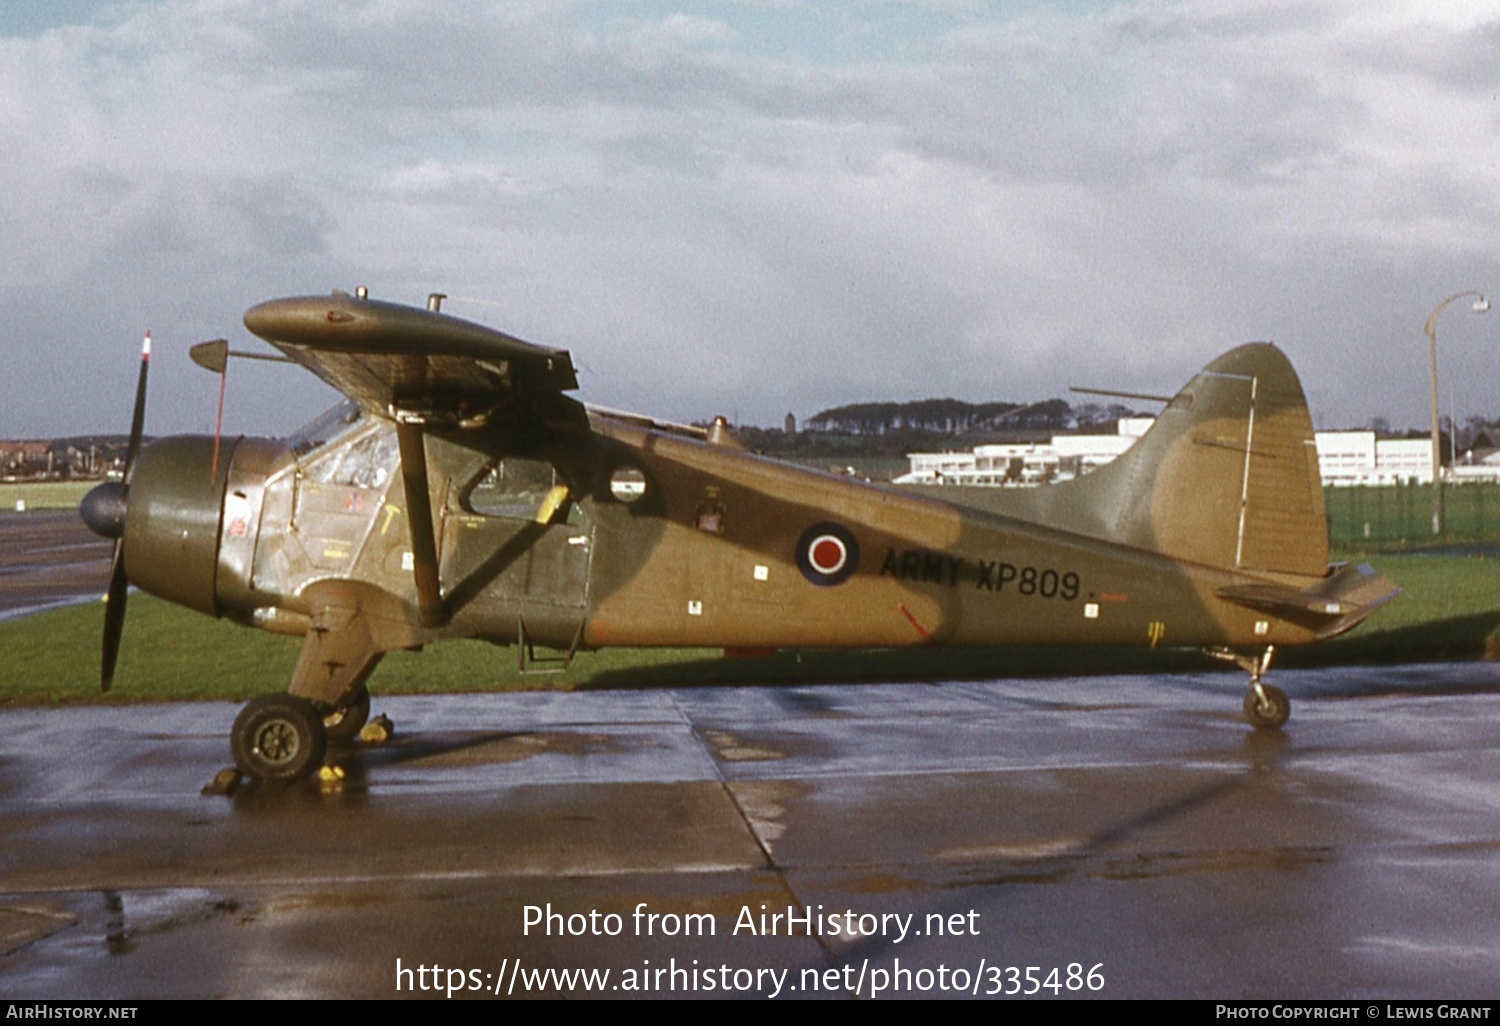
(1123, 192)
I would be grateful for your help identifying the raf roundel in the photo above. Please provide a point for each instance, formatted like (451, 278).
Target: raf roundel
(827, 554)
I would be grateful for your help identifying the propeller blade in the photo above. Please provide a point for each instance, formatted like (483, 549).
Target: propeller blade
(138, 418)
(119, 583)
(114, 616)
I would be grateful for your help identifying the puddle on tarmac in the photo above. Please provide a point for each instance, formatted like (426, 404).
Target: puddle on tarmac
(763, 803)
(21, 925)
(516, 747)
(730, 749)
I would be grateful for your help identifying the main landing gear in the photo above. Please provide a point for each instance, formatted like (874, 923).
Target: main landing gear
(1266, 706)
(345, 721)
(284, 738)
(278, 737)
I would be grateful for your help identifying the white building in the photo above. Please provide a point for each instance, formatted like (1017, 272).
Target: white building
(1024, 464)
(1344, 458)
(1359, 458)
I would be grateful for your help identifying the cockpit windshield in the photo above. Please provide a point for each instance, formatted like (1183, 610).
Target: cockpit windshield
(323, 429)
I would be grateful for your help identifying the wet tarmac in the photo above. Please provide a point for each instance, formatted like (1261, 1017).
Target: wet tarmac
(47, 559)
(1131, 824)
(1129, 832)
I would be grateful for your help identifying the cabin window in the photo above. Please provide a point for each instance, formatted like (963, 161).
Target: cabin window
(627, 484)
(523, 490)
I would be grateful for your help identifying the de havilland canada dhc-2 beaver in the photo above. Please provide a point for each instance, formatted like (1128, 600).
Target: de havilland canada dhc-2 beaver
(460, 492)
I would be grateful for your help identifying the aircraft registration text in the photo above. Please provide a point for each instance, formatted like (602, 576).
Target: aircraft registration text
(988, 575)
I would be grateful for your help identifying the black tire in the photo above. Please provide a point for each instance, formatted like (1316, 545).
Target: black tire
(1270, 714)
(344, 722)
(278, 737)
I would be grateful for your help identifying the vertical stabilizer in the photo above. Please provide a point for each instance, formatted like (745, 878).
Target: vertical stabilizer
(1227, 476)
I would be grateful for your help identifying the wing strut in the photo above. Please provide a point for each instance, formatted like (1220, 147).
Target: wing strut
(413, 444)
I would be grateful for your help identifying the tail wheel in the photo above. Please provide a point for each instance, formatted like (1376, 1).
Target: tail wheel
(1267, 707)
(344, 722)
(278, 737)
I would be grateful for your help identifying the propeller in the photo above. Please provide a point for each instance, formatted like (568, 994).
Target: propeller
(103, 509)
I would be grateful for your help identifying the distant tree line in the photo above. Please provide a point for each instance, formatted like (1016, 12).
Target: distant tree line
(892, 429)
(956, 417)
(930, 415)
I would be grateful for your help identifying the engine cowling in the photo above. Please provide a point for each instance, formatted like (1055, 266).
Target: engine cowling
(173, 518)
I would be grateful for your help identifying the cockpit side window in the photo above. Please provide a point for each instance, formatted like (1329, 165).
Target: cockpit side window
(327, 426)
(367, 461)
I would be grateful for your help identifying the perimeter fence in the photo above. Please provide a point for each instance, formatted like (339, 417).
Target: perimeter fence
(1393, 518)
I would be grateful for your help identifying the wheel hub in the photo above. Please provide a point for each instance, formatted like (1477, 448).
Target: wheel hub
(277, 742)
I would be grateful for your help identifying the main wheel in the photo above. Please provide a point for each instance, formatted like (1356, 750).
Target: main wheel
(278, 737)
(1270, 714)
(344, 722)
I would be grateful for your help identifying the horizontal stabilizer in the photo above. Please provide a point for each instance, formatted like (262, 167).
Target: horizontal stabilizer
(1331, 606)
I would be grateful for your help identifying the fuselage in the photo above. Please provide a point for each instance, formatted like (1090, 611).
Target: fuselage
(638, 537)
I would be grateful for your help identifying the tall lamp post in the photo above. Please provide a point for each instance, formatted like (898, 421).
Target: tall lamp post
(1481, 305)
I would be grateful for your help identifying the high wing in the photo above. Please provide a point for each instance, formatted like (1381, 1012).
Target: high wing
(410, 364)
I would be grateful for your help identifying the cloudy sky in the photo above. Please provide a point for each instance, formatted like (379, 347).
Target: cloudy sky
(758, 206)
